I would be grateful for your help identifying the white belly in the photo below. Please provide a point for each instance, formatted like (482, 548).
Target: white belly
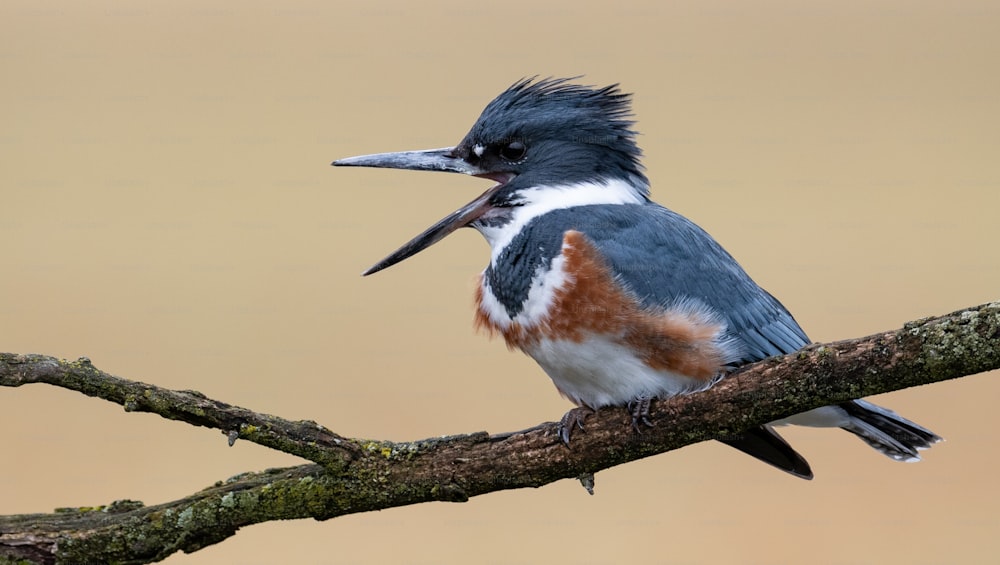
(599, 372)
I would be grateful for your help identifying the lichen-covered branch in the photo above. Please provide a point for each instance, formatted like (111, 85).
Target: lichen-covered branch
(372, 475)
(306, 439)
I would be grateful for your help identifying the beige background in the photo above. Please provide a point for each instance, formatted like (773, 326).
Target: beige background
(169, 211)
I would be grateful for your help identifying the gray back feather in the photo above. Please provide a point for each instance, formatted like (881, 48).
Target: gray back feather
(666, 260)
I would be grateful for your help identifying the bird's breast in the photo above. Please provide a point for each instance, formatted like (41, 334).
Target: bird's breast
(573, 298)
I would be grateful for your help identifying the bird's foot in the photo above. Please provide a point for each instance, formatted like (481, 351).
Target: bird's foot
(639, 410)
(570, 420)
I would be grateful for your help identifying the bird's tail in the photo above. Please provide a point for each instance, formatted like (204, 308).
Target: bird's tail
(886, 431)
(766, 445)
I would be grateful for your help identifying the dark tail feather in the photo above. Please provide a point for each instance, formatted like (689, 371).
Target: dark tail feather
(765, 444)
(886, 431)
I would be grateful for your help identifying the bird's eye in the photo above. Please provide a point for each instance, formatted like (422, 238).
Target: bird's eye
(513, 151)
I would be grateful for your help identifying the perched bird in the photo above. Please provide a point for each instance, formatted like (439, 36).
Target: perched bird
(619, 299)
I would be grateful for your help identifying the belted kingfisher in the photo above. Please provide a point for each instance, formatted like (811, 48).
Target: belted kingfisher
(619, 299)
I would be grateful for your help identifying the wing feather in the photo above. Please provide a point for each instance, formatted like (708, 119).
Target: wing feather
(665, 259)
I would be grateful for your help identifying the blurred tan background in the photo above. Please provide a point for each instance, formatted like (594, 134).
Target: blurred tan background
(169, 211)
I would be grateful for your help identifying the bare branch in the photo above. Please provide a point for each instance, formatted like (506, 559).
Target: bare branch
(360, 475)
(306, 439)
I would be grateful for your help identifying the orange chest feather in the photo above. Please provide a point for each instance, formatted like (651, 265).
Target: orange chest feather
(589, 302)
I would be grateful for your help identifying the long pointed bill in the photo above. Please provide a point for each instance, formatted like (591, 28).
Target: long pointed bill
(427, 160)
(430, 160)
(457, 219)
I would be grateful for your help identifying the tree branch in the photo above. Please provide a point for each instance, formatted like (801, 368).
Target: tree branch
(356, 475)
(306, 439)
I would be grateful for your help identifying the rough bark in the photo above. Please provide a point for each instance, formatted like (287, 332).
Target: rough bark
(357, 475)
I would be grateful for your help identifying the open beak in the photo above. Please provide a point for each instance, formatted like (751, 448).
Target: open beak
(430, 160)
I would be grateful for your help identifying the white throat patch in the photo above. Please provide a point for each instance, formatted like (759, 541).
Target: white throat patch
(536, 202)
(540, 200)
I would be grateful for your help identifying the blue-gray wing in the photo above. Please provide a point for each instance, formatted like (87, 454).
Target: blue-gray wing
(666, 259)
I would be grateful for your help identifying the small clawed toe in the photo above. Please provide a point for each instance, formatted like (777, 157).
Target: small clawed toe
(639, 410)
(570, 420)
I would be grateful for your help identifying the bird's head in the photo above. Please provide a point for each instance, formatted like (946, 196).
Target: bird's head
(546, 133)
